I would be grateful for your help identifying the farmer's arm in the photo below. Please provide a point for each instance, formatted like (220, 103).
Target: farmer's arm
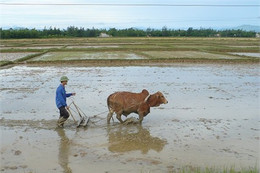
(70, 94)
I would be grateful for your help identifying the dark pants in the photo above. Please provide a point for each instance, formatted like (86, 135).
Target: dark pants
(64, 113)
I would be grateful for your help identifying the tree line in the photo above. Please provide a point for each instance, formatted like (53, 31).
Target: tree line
(129, 32)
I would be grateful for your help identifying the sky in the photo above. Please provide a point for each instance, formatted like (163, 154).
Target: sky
(174, 14)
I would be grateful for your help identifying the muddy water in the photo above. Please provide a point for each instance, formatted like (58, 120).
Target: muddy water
(211, 120)
(257, 55)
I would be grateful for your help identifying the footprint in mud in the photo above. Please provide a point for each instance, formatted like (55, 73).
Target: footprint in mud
(254, 129)
(13, 167)
(228, 150)
(17, 152)
(175, 120)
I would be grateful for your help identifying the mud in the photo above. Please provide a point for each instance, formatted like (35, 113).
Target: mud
(211, 120)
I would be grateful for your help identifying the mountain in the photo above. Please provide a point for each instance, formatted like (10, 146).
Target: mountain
(249, 28)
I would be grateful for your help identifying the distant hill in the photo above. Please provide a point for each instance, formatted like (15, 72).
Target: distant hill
(249, 28)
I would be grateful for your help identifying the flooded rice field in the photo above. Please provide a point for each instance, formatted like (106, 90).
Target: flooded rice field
(13, 56)
(257, 55)
(211, 120)
(52, 56)
(93, 46)
(187, 54)
(30, 47)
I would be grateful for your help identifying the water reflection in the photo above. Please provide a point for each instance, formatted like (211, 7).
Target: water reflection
(132, 138)
(64, 150)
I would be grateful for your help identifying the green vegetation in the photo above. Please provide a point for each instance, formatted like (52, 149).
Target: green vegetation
(130, 32)
(215, 170)
(4, 63)
(130, 50)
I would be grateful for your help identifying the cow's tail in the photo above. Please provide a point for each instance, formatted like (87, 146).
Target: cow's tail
(108, 101)
(110, 110)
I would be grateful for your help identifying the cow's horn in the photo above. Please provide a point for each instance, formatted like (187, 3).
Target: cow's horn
(146, 99)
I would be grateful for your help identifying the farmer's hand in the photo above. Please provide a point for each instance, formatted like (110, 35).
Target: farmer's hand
(67, 107)
(73, 94)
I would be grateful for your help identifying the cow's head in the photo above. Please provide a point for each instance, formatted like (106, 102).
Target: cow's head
(156, 99)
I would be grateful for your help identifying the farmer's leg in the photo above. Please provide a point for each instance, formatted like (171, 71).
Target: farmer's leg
(64, 115)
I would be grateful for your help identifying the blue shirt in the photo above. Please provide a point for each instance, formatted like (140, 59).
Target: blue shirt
(61, 96)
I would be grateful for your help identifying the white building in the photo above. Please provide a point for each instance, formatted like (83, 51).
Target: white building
(104, 35)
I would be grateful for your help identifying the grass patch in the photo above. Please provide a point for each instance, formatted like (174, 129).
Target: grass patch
(4, 63)
(191, 169)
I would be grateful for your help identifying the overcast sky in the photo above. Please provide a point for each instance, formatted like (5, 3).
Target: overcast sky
(104, 16)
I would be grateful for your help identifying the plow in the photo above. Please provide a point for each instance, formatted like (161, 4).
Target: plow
(83, 118)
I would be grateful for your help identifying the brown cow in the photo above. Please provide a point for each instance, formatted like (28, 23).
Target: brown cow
(127, 102)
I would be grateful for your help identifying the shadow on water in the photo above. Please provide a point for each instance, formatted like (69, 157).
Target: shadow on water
(64, 148)
(133, 138)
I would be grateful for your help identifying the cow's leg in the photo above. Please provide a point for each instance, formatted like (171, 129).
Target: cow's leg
(141, 117)
(109, 115)
(118, 116)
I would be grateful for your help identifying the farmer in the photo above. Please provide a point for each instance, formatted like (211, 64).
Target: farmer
(61, 101)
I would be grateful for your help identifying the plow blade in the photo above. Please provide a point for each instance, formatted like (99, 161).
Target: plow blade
(83, 121)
